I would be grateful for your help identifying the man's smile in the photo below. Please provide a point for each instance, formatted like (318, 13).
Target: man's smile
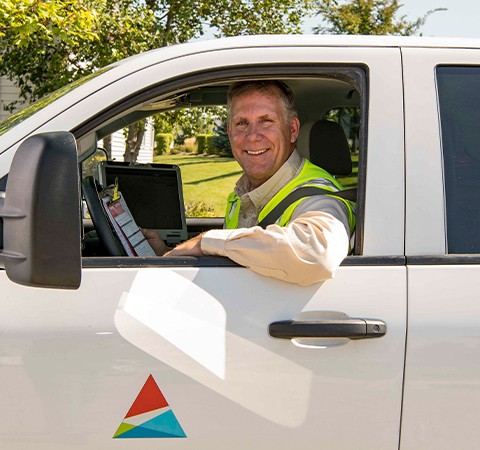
(257, 152)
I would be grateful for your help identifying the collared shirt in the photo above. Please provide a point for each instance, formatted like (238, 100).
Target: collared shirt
(308, 250)
(253, 201)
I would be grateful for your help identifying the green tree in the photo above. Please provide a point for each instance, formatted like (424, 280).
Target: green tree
(242, 17)
(221, 141)
(189, 122)
(367, 17)
(47, 44)
(38, 41)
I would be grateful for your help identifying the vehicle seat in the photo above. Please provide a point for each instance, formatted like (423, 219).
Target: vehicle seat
(324, 143)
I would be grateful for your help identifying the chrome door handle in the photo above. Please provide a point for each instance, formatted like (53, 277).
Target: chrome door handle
(335, 328)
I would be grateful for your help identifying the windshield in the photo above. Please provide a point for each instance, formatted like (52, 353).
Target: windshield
(30, 110)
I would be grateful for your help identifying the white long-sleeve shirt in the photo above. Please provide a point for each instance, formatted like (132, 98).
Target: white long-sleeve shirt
(308, 250)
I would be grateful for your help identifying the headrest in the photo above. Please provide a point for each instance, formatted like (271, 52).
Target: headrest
(324, 143)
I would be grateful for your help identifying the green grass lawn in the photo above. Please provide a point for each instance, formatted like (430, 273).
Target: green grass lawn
(351, 180)
(207, 181)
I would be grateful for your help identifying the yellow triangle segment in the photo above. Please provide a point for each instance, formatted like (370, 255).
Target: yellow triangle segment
(123, 428)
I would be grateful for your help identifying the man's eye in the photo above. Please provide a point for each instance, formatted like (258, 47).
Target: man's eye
(266, 120)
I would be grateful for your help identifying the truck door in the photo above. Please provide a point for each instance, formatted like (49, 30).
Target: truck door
(178, 354)
(442, 90)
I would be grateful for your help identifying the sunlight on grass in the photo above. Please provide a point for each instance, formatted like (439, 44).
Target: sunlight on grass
(205, 179)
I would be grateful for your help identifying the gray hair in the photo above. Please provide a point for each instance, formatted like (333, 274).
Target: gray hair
(269, 87)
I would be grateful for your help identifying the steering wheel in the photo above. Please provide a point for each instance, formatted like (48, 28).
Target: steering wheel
(99, 219)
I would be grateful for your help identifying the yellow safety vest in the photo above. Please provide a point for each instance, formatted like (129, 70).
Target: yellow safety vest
(310, 176)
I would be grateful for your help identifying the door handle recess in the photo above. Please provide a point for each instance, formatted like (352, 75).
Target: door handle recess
(335, 328)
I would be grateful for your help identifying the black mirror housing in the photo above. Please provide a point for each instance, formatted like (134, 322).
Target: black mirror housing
(41, 213)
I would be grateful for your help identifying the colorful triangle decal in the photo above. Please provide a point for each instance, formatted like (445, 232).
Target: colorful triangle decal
(123, 428)
(150, 416)
(149, 398)
(142, 433)
(166, 423)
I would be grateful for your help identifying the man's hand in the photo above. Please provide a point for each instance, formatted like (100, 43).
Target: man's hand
(188, 248)
(155, 241)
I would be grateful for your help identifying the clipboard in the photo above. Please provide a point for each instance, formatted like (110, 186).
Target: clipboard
(123, 223)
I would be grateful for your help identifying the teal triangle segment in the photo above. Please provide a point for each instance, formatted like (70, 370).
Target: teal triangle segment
(163, 426)
(140, 432)
(165, 423)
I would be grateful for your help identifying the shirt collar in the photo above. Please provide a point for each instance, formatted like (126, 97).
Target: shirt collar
(262, 195)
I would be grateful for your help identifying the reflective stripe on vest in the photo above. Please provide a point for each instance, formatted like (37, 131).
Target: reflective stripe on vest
(310, 175)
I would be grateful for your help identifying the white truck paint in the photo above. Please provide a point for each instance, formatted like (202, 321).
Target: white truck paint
(72, 362)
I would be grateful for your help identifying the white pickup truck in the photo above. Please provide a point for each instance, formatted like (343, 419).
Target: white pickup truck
(104, 351)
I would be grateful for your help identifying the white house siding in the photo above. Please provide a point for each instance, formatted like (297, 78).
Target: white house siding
(8, 94)
(146, 150)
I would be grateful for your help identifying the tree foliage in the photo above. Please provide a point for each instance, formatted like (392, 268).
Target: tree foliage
(242, 17)
(46, 44)
(188, 122)
(221, 141)
(367, 17)
(24, 20)
(37, 39)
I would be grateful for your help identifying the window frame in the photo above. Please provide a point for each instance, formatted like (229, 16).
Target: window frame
(356, 75)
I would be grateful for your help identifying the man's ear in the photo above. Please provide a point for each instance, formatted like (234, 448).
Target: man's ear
(294, 129)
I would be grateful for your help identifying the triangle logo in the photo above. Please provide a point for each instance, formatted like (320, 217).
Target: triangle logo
(150, 416)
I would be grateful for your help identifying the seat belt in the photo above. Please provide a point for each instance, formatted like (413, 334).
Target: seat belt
(297, 194)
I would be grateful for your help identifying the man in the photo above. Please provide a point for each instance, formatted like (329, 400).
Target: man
(312, 236)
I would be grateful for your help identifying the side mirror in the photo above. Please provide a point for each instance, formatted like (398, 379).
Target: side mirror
(41, 213)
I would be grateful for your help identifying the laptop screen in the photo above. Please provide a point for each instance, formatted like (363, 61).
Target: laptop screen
(154, 196)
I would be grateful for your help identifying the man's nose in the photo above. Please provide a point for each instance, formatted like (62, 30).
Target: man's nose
(253, 132)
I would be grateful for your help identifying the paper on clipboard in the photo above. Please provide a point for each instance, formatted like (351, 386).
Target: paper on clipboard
(127, 230)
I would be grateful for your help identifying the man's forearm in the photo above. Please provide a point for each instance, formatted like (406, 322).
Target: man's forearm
(188, 248)
(307, 251)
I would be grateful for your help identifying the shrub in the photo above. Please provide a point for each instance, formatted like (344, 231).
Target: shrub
(204, 144)
(221, 142)
(180, 149)
(198, 209)
(189, 146)
(163, 143)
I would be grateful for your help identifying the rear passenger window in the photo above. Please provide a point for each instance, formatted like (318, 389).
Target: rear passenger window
(459, 103)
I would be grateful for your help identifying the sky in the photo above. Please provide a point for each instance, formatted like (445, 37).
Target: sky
(462, 18)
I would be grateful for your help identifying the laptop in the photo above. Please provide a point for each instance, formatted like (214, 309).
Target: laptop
(154, 195)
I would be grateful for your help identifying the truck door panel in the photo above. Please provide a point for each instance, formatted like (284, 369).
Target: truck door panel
(442, 393)
(207, 347)
(76, 361)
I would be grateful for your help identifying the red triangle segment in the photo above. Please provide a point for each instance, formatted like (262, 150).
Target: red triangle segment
(149, 398)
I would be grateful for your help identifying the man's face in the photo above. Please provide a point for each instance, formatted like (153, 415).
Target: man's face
(262, 138)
